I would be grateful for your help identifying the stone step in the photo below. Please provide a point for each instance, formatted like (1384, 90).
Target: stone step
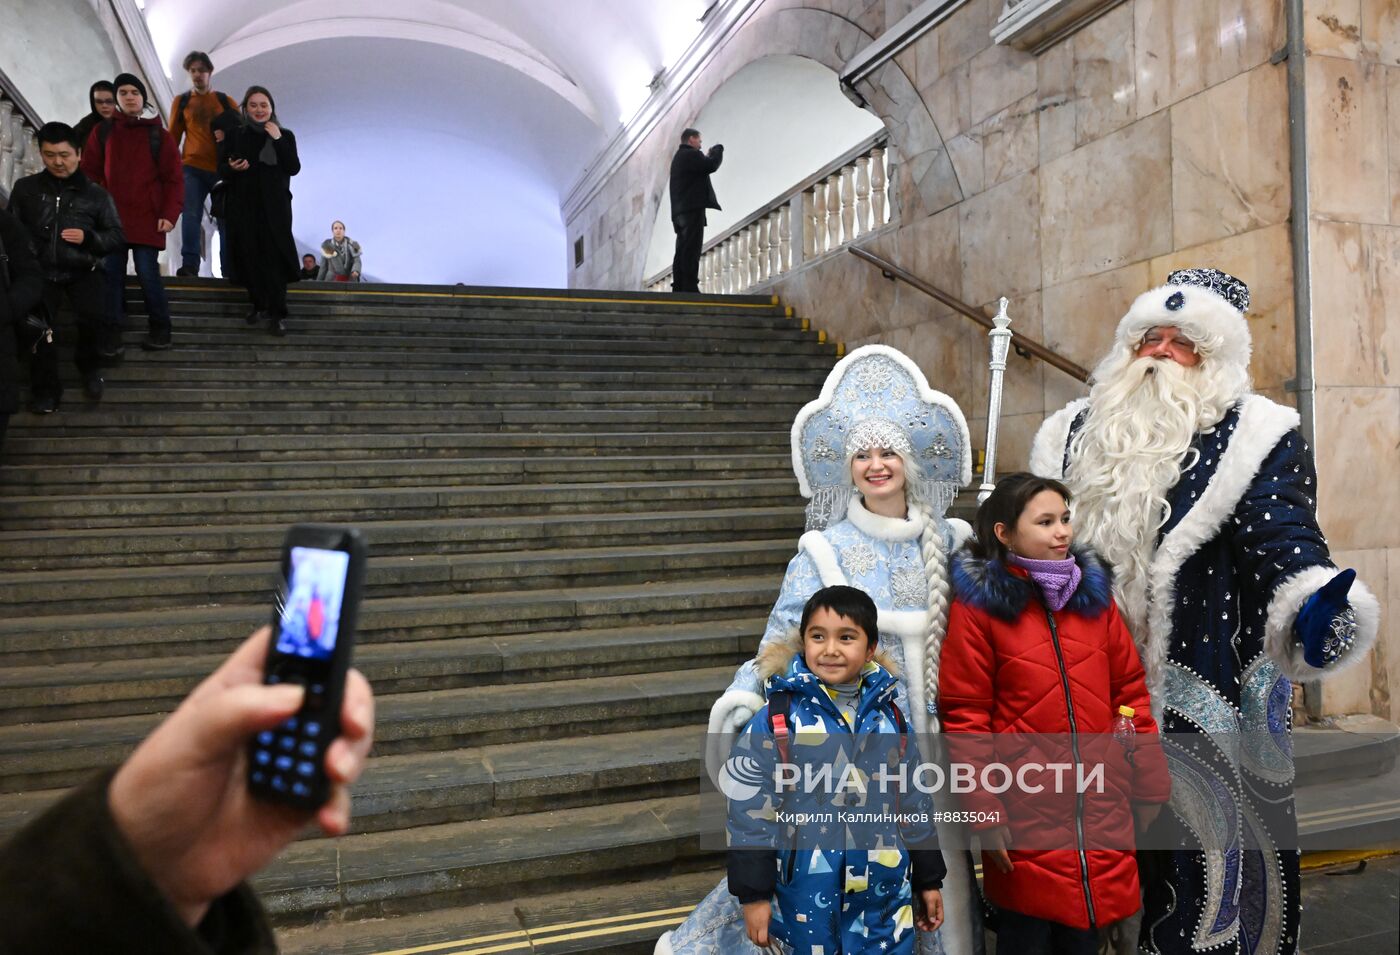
(179, 477)
(486, 782)
(615, 919)
(122, 398)
(191, 631)
(150, 546)
(62, 753)
(1345, 747)
(374, 875)
(94, 689)
(1355, 813)
(362, 505)
(82, 420)
(33, 447)
(111, 589)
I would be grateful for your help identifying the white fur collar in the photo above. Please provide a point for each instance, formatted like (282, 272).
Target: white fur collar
(884, 528)
(1048, 448)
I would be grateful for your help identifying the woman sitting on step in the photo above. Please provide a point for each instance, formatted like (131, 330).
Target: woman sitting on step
(880, 456)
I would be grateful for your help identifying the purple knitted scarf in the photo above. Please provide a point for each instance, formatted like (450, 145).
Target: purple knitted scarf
(1057, 579)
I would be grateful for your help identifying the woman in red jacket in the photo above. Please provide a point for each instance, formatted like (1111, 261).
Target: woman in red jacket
(1035, 645)
(135, 160)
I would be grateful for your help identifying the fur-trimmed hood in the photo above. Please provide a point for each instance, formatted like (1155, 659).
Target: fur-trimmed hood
(775, 656)
(987, 584)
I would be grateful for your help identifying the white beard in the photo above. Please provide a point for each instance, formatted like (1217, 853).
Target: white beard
(1130, 453)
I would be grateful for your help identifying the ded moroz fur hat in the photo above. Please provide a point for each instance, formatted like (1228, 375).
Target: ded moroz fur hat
(1206, 304)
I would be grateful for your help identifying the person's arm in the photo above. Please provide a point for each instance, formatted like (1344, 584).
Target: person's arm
(159, 850)
(286, 147)
(93, 156)
(177, 122)
(752, 824)
(1277, 544)
(354, 258)
(714, 157)
(1150, 782)
(172, 182)
(106, 236)
(26, 278)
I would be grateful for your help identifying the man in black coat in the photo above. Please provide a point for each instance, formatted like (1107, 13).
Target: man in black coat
(21, 285)
(691, 195)
(73, 224)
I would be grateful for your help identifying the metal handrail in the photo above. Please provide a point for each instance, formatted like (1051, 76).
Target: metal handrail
(1025, 347)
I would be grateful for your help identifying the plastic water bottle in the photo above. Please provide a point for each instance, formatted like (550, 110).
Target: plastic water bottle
(1124, 732)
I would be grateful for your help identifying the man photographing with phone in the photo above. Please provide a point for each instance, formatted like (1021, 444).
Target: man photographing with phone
(153, 857)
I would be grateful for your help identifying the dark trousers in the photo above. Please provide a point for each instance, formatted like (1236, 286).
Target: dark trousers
(41, 354)
(84, 293)
(4, 425)
(198, 182)
(148, 272)
(1019, 934)
(690, 237)
(267, 292)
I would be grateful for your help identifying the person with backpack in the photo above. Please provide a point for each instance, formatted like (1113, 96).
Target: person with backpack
(853, 866)
(73, 224)
(21, 287)
(190, 116)
(136, 160)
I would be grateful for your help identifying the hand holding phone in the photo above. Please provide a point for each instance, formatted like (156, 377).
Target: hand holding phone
(313, 625)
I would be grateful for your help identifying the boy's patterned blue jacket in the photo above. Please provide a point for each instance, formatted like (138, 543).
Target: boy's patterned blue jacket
(848, 891)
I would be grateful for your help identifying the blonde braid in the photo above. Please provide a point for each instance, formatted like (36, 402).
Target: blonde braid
(936, 571)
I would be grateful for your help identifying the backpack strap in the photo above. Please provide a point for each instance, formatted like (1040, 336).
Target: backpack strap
(155, 132)
(902, 726)
(104, 133)
(779, 704)
(182, 103)
(227, 103)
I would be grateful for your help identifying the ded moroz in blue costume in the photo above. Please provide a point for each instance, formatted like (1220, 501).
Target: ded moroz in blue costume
(1202, 496)
(875, 396)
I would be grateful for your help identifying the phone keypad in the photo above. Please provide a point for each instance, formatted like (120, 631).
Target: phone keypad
(286, 758)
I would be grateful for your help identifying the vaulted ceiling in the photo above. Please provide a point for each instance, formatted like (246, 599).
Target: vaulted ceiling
(429, 125)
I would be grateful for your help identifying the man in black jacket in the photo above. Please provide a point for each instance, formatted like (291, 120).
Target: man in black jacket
(73, 224)
(21, 285)
(691, 195)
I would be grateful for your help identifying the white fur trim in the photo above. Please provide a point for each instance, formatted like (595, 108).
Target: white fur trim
(1285, 650)
(884, 528)
(823, 558)
(962, 533)
(1261, 425)
(719, 738)
(907, 625)
(1215, 325)
(913, 643)
(828, 395)
(1048, 448)
(663, 946)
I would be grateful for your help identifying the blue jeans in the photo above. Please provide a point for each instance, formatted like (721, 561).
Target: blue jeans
(198, 182)
(148, 272)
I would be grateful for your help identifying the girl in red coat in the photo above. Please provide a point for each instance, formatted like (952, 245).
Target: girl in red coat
(1035, 645)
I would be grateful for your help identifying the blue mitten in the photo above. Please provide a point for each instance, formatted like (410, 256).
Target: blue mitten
(1326, 624)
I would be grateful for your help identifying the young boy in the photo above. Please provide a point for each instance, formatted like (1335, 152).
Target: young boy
(834, 856)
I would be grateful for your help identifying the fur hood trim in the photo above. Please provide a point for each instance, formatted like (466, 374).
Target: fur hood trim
(987, 585)
(774, 658)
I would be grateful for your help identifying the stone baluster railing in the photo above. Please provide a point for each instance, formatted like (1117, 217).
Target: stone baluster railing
(19, 150)
(832, 208)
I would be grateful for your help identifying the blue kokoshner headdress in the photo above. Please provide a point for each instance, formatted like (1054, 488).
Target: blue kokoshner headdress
(878, 392)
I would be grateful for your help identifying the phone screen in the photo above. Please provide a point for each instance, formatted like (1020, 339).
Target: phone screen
(310, 617)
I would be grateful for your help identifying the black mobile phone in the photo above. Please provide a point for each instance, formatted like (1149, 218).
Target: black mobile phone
(313, 636)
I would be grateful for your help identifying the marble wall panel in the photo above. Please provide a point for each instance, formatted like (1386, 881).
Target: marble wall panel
(1357, 464)
(1105, 84)
(1263, 260)
(1010, 141)
(1356, 340)
(1079, 319)
(930, 249)
(1380, 30)
(1347, 142)
(949, 100)
(1332, 27)
(965, 151)
(1108, 203)
(1230, 165)
(1055, 92)
(1183, 48)
(1392, 86)
(967, 32)
(999, 245)
(1364, 686)
(1000, 75)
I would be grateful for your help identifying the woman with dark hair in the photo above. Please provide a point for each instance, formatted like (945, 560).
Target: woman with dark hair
(257, 159)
